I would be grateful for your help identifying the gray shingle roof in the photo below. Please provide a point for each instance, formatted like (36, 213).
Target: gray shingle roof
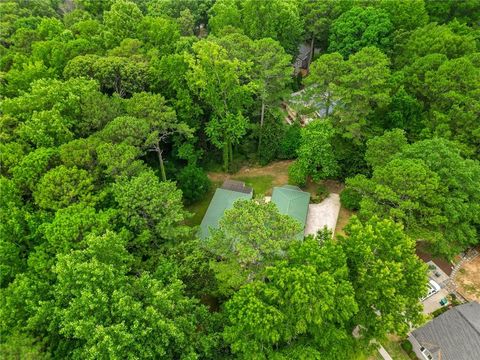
(454, 335)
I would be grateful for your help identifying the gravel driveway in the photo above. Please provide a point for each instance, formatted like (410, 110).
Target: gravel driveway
(323, 214)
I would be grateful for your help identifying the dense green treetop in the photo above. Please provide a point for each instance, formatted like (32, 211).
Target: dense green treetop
(111, 114)
(358, 28)
(387, 276)
(302, 307)
(244, 248)
(428, 186)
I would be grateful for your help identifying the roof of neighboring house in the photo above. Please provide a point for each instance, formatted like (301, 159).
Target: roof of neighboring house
(222, 200)
(454, 335)
(290, 200)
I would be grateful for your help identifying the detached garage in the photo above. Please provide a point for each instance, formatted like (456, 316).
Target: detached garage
(290, 200)
(223, 200)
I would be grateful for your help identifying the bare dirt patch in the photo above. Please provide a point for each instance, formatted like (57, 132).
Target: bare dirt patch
(468, 279)
(278, 170)
(343, 217)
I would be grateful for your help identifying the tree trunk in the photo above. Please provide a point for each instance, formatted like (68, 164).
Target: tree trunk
(328, 106)
(230, 148)
(262, 117)
(225, 156)
(262, 114)
(162, 166)
(312, 50)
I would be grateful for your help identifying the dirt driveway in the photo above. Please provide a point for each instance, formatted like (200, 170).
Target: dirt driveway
(279, 171)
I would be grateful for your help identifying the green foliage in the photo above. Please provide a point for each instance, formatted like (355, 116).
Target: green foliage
(245, 247)
(115, 74)
(289, 144)
(159, 33)
(387, 294)
(445, 11)
(358, 28)
(429, 188)
(305, 300)
(297, 174)
(193, 182)
(405, 15)
(315, 154)
(103, 101)
(273, 134)
(355, 89)
(123, 19)
(436, 39)
(405, 112)
(147, 205)
(125, 310)
(381, 149)
(20, 346)
(33, 166)
(276, 19)
(350, 199)
(62, 186)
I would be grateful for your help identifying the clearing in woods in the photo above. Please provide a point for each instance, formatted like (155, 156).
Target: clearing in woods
(468, 279)
(262, 180)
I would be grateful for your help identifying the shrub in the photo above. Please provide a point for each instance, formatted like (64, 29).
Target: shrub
(350, 199)
(290, 142)
(320, 195)
(194, 183)
(272, 131)
(297, 174)
(407, 346)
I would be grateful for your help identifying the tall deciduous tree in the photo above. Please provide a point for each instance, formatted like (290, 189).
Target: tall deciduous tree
(272, 73)
(62, 186)
(218, 81)
(245, 247)
(152, 210)
(428, 187)
(301, 310)
(123, 19)
(161, 120)
(362, 89)
(276, 19)
(358, 28)
(318, 17)
(324, 73)
(98, 304)
(315, 154)
(388, 277)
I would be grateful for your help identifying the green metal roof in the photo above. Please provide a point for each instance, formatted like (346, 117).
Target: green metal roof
(290, 200)
(222, 200)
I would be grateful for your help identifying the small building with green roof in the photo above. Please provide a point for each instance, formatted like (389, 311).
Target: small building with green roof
(223, 200)
(292, 201)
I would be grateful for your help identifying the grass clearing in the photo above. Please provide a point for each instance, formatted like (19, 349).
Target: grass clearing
(261, 184)
(199, 208)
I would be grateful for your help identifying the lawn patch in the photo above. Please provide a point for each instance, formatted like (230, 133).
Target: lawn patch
(261, 184)
(199, 208)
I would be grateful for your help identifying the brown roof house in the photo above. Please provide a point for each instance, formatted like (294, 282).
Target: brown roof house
(454, 335)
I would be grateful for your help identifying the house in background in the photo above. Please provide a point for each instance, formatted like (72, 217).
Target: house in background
(292, 201)
(223, 200)
(454, 335)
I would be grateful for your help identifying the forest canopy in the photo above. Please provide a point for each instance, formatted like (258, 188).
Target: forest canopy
(113, 113)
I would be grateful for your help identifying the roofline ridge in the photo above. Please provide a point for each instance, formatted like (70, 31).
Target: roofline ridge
(468, 321)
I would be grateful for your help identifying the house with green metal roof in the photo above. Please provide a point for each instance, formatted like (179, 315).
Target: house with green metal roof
(290, 200)
(222, 200)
